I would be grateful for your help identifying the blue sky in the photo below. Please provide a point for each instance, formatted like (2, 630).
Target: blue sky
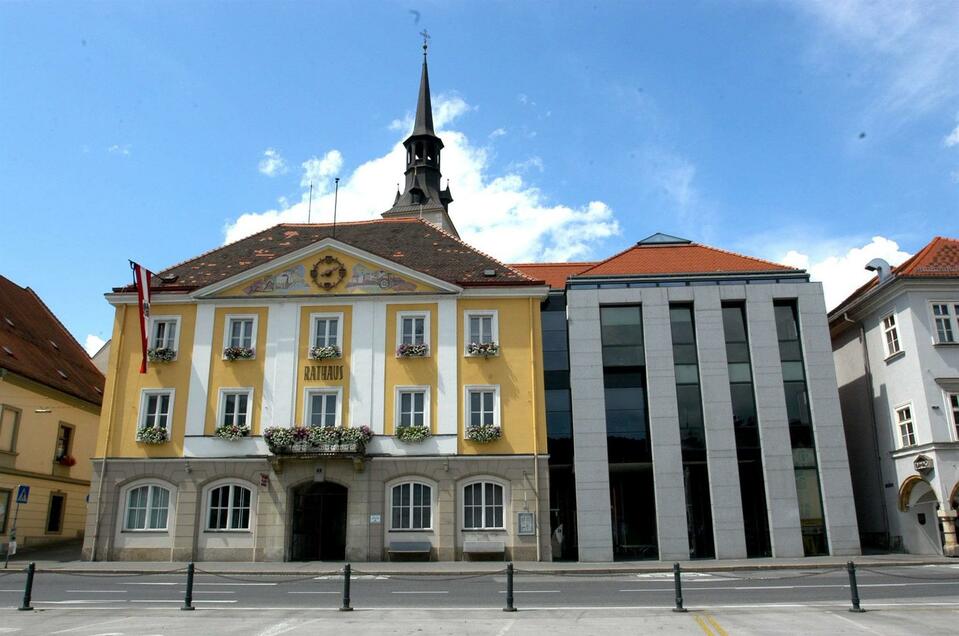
(819, 134)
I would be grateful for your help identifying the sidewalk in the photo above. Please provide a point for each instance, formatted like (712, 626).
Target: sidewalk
(471, 567)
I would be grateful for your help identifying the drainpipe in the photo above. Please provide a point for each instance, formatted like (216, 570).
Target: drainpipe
(875, 424)
(532, 377)
(106, 447)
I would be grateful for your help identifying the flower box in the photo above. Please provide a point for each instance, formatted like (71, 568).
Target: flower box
(484, 349)
(239, 353)
(161, 354)
(153, 435)
(324, 353)
(483, 434)
(317, 439)
(412, 434)
(413, 351)
(232, 432)
(66, 460)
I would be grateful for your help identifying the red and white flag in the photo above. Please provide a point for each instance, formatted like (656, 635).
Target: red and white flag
(141, 278)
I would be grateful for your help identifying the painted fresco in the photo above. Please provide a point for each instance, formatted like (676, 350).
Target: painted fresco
(366, 279)
(284, 282)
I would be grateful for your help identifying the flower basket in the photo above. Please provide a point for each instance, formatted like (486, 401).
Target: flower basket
(413, 351)
(485, 349)
(232, 431)
(238, 353)
(412, 434)
(161, 354)
(67, 460)
(279, 437)
(324, 353)
(359, 435)
(152, 435)
(322, 439)
(483, 434)
(323, 435)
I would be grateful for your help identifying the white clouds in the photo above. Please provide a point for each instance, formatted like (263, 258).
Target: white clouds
(320, 171)
(842, 270)
(911, 48)
(119, 149)
(499, 132)
(952, 139)
(498, 213)
(93, 344)
(533, 163)
(272, 163)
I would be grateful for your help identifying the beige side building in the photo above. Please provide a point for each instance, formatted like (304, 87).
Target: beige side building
(50, 395)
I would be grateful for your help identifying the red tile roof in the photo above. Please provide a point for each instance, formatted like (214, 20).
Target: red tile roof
(555, 274)
(680, 258)
(937, 259)
(35, 345)
(410, 242)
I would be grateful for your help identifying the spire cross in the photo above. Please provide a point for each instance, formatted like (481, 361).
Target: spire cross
(426, 40)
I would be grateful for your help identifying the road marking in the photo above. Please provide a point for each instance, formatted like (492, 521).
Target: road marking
(506, 628)
(282, 628)
(532, 592)
(20, 590)
(78, 602)
(420, 592)
(310, 592)
(158, 600)
(83, 627)
(234, 584)
(156, 583)
(98, 591)
(702, 625)
(719, 629)
(849, 620)
(787, 587)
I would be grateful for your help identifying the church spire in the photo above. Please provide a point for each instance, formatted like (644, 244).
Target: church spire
(422, 196)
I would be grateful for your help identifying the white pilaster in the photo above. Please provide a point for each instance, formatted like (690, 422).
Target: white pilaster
(361, 365)
(200, 370)
(378, 337)
(279, 372)
(446, 359)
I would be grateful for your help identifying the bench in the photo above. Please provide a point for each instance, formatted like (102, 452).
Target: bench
(484, 547)
(410, 547)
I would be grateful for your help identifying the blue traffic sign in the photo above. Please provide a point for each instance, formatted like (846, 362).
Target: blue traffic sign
(23, 493)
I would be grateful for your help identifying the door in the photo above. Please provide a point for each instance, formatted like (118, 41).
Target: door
(319, 522)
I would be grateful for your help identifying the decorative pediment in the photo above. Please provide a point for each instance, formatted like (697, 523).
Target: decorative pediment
(327, 268)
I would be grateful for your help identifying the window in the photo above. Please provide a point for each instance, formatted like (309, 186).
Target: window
(483, 506)
(240, 332)
(64, 441)
(9, 425)
(323, 407)
(890, 335)
(412, 328)
(907, 432)
(621, 329)
(165, 332)
(58, 504)
(6, 496)
(411, 507)
(156, 408)
(482, 327)
(944, 314)
(325, 330)
(412, 406)
(147, 508)
(235, 406)
(482, 406)
(954, 406)
(229, 508)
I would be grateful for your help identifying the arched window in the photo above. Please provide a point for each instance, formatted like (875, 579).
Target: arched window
(229, 508)
(411, 506)
(483, 506)
(148, 508)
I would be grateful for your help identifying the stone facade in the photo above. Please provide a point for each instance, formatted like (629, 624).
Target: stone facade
(367, 481)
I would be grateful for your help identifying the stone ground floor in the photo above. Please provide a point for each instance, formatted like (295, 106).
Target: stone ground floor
(319, 509)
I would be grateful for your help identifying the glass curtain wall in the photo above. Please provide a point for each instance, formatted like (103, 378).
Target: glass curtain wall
(632, 494)
(746, 425)
(801, 434)
(692, 432)
(559, 427)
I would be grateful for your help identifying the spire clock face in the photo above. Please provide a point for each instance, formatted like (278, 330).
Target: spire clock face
(328, 272)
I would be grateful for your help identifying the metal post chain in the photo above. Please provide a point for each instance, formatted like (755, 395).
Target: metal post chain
(28, 588)
(346, 589)
(853, 588)
(509, 588)
(678, 581)
(188, 598)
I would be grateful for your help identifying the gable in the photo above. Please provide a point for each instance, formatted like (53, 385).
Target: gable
(330, 271)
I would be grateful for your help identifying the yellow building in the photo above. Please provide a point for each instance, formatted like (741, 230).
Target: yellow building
(363, 391)
(50, 394)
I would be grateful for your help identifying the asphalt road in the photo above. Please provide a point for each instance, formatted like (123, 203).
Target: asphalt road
(916, 586)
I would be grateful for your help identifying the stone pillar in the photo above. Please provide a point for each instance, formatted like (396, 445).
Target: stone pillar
(948, 520)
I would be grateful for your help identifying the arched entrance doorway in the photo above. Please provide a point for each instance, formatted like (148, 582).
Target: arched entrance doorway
(319, 522)
(920, 529)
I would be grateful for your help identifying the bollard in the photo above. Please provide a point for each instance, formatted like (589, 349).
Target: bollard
(28, 589)
(188, 598)
(509, 588)
(677, 580)
(853, 588)
(346, 589)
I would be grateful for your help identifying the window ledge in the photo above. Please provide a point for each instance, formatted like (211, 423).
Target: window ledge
(410, 530)
(125, 531)
(945, 344)
(894, 356)
(12, 453)
(237, 531)
(490, 530)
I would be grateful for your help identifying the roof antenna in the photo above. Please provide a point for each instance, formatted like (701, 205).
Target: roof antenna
(336, 193)
(309, 210)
